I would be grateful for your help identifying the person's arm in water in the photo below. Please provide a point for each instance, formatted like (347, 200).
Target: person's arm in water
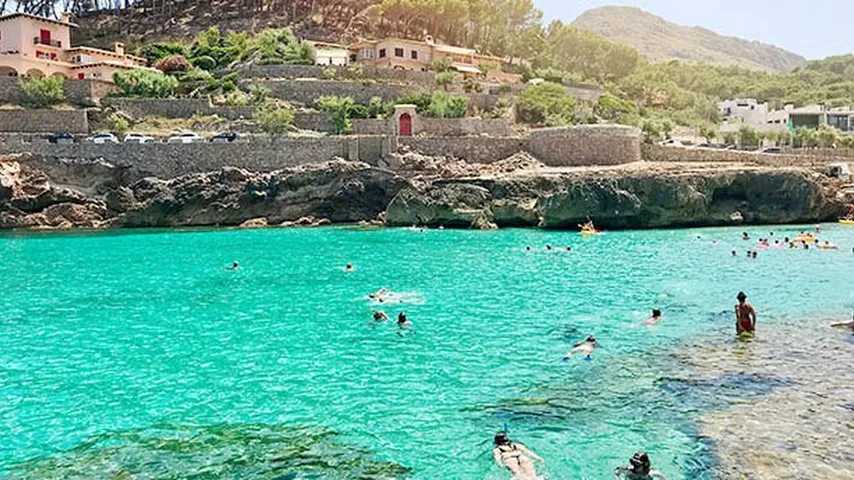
(529, 453)
(843, 324)
(496, 454)
(752, 314)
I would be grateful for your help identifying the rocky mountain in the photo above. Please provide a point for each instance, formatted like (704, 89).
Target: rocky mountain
(660, 40)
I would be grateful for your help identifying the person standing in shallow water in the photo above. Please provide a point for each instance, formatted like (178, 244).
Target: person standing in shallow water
(745, 316)
(515, 457)
(639, 468)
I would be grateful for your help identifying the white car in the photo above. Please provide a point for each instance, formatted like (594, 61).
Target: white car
(186, 137)
(138, 138)
(102, 138)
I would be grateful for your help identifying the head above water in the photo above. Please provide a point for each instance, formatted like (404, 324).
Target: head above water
(501, 438)
(640, 464)
(656, 313)
(741, 297)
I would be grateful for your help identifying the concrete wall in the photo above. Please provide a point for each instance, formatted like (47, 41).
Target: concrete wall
(170, 160)
(659, 153)
(44, 121)
(80, 92)
(425, 79)
(586, 145)
(470, 149)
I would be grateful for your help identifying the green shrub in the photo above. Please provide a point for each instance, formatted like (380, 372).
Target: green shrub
(329, 73)
(443, 105)
(441, 65)
(274, 119)
(145, 84)
(612, 108)
(445, 79)
(205, 62)
(421, 100)
(748, 137)
(118, 124)
(154, 52)
(43, 92)
(546, 103)
(339, 110)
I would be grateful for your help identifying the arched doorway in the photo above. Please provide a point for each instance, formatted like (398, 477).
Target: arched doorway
(405, 127)
(8, 72)
(35, 73)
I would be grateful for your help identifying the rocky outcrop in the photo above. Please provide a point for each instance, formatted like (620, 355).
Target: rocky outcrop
(632, 197)
(40, 192)
(52, 193)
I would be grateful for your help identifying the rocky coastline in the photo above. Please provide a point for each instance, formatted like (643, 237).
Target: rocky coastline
(39, 192)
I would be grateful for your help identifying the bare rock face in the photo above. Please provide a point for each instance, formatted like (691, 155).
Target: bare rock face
(53, 193)
(638, 198)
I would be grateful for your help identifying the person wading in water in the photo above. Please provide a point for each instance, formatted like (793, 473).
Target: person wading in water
(745, 316)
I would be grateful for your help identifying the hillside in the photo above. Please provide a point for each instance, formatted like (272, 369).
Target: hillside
(660, 40)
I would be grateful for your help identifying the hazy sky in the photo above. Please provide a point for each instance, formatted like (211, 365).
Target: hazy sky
(812, 28)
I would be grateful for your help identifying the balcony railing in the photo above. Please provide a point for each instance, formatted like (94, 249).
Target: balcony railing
(50, 43)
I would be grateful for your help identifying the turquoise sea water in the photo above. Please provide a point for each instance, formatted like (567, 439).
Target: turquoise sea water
(127, 340)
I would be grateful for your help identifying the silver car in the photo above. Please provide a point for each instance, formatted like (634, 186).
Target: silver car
(102, 138)
(186, 137)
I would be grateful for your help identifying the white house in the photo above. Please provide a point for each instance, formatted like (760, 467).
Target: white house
(330, 53)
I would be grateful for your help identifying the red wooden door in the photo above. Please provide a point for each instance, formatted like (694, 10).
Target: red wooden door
(45, 37)
(405, 125)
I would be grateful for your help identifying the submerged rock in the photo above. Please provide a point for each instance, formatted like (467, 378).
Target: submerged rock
(255, 451)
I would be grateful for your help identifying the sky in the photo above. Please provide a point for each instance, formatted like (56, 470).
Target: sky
(812, 28)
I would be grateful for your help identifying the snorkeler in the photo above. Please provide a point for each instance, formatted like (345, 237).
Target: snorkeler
(234, 266)
(585, 348)
(402, 321)
(639, 468)
(380, 316)
(654, 319)
(515, 457)
(745, 315)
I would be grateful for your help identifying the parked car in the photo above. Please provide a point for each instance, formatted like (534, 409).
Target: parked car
(102, 138)
(138, 138)
(61, 137)
(224, 137)
(771, 150)
(185, 137)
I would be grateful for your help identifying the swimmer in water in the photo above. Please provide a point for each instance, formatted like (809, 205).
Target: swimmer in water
(755, 254)
(380, 316)
(734, 254)
(349, 267)
(568, 249)
(849, 325)
(745, 316)
(639, 468)
(654, 319)
(402, 321)
(548, 247)
(515, 457)
(585, 348)
(234, 266)
(745, 236)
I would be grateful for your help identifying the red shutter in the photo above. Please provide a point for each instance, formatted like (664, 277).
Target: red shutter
(45, 37)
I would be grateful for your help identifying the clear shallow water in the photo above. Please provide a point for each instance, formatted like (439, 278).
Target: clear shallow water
(131, 339)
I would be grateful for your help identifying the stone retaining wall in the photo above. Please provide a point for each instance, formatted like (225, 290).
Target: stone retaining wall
(659, 153)
(170, 160)
(78, 92)
(188, 107)
(306, 92)
(44, 121)
(586, 145)
(426, 79)
(470, 149)
(438, 127)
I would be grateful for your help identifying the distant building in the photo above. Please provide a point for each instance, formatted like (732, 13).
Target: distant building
(745, 111)
(406, 54)
(814, 116)
(330, 53)
(33, 46)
